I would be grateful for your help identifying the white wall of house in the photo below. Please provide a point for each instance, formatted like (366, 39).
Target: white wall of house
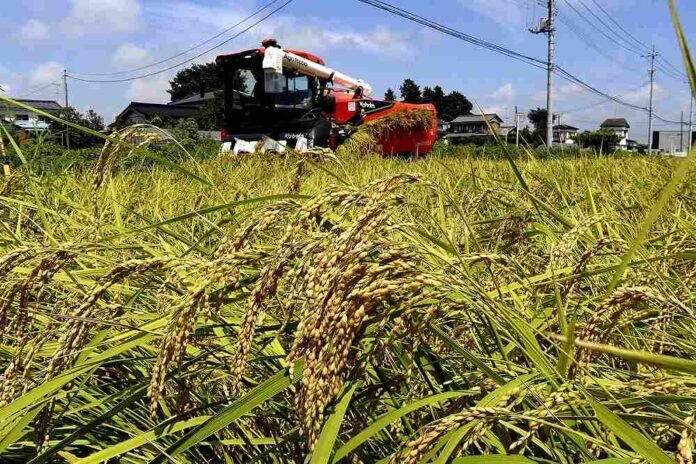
(564, 137)
(623, 133)
(27, 120)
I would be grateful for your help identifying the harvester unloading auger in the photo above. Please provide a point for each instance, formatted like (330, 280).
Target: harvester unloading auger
(292, 97)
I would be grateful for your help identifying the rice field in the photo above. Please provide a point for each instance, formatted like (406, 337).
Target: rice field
(348, 308)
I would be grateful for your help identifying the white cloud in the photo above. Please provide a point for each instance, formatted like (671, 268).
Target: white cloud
(562, 93)
(5, 88)
(505, 92)
(498, 11)
(33, 31)
(151, 89)
(130, 55)
(44, 73)
(304, 33)
(102, 16)
(641, 96)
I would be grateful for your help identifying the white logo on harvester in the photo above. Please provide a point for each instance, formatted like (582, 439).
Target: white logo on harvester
(368, 105)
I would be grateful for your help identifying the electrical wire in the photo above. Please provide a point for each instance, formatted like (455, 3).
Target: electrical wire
(619, 40)
(604, 101)
(599, 29)
(541, 64)
(563, 73)
(37, 90)
(169, 68)
(185, 52)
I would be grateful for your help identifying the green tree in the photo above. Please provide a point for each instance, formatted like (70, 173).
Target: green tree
(212, 112)
(436, 96)
(199, 78)
(79, 139)
(389, 95)
(537, 118)
(455, 104)
(410, 91)
(599, 141)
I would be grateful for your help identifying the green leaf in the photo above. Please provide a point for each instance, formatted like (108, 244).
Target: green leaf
(327, 439)
(383, 421)
(495, 458)
(639, 443)
(140, 440)
(16, 432)
(239, 408)
(40, 393)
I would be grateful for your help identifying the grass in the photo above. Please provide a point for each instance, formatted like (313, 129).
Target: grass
(454, 308)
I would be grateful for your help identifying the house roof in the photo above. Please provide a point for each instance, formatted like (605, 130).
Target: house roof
(616, 122)
(472, 118)
(194, 99)
(167, 111)
(44, 105)
(565, 127)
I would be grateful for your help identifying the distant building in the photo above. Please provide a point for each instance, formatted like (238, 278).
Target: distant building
(672, 142)
(620, 127)
(141, 112)
(443, 127)
(473, 128)
(564, 134)
(29, 121)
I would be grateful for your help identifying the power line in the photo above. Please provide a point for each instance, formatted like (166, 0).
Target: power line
(143, 76)
(618, 39)
(613, 20)
(502, 50)
(599, 29)
(37, 90)
(604, 101)
(455, 33)
(185, 52)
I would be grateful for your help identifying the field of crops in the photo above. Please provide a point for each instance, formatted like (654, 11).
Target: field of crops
(351, 309)
(346, 308)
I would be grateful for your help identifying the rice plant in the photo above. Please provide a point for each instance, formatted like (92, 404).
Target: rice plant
(349, 308)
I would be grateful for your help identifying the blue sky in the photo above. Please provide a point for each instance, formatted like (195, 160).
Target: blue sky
(41, 37)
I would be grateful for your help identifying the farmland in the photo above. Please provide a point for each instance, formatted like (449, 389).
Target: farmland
(353, 309)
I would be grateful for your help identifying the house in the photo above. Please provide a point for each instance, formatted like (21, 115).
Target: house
(672, 141)
(443, 127)
(473, 128)
(620, 127)
(141, 112)
(564, 134)
(29, 121)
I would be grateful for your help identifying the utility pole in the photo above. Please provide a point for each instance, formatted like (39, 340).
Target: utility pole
(681, 133)
(517, 128)
(691, 124)
(548, 26)
(65, 90)
(652, 57)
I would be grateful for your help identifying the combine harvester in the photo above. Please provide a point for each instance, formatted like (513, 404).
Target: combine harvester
(277, 98)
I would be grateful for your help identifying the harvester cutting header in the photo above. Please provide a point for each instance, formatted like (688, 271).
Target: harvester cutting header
(291, 96)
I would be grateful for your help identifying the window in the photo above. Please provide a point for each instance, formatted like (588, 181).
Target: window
(296, 92)
(21, 117)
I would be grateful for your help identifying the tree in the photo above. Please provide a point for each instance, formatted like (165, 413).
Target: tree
(199, 78)
(389, 95)
(211, 113)
(94, 121)
(538, 119)
(80, 139)
(410, 91)
(599, 141)
(436, 96)
(455, 104)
